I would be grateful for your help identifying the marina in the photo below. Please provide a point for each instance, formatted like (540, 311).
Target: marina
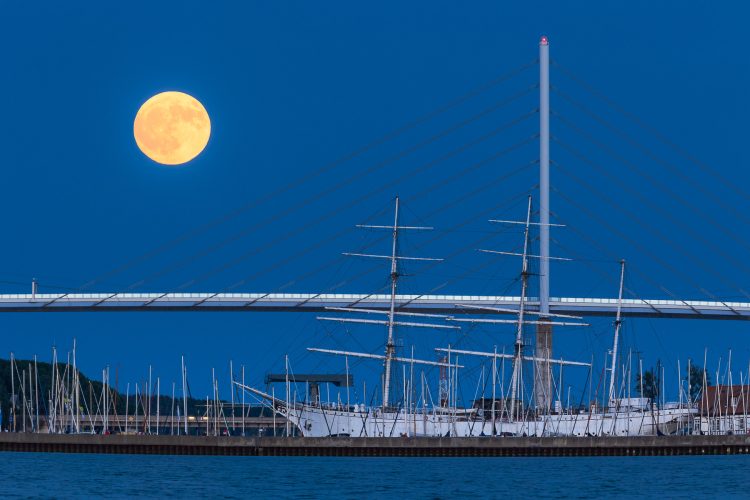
(337, 250)
(521, 405)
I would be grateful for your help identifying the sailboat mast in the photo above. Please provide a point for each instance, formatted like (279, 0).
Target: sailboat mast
(36, 392)
(390, 346)
(616, 341)
(12, 392)
(184, 395)
(517, 359)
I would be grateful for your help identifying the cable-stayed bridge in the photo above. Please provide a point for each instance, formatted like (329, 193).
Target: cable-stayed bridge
(309, 302)
(79, 300)
(467, 179)
(175, 299)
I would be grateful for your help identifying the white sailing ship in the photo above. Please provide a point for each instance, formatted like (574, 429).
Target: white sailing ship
(504, 414)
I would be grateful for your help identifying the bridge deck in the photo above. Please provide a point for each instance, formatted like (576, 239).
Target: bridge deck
(307, 302)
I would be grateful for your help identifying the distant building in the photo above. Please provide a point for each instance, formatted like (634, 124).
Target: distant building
(725, 400)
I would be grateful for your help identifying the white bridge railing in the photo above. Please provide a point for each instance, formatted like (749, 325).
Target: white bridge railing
(301, 302)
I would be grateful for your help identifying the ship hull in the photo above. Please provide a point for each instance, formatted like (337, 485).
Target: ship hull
(315, 421)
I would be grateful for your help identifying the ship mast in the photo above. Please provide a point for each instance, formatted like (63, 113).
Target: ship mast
(544, 319)
(618, 324)
(390, 322)
(518, 346)
(389, 345)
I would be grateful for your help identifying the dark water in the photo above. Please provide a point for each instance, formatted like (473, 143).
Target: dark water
(38, 475)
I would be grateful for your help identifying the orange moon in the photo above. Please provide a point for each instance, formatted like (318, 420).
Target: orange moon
(172, 128)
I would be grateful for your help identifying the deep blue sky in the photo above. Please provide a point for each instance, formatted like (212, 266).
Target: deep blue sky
(291, 87)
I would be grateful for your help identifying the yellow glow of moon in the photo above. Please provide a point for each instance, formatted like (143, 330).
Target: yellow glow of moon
(172, 128)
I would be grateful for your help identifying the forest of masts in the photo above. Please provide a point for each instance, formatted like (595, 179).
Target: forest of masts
(71, 405)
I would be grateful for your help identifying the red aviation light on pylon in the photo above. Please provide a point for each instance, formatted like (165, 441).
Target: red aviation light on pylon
(544, 41)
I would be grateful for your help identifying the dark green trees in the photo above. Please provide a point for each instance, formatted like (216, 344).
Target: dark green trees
(697, 378)
(647, 385)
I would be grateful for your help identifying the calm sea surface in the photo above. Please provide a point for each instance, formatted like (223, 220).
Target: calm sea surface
(36, 475)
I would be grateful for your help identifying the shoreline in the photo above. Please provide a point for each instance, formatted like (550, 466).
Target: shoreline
(377, 447)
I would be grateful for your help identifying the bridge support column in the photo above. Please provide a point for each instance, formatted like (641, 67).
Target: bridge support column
(543, 374)
(542, 371)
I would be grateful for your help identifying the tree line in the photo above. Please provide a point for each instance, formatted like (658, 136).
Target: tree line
(649, 384)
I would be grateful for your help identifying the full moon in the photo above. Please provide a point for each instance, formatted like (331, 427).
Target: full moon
(172, 128)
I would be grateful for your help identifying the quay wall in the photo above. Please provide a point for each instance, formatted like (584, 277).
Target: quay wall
(402, 447)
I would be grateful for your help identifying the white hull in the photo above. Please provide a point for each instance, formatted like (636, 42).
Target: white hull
(313, 421)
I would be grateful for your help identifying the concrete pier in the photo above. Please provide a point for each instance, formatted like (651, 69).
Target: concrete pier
(378, 447)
